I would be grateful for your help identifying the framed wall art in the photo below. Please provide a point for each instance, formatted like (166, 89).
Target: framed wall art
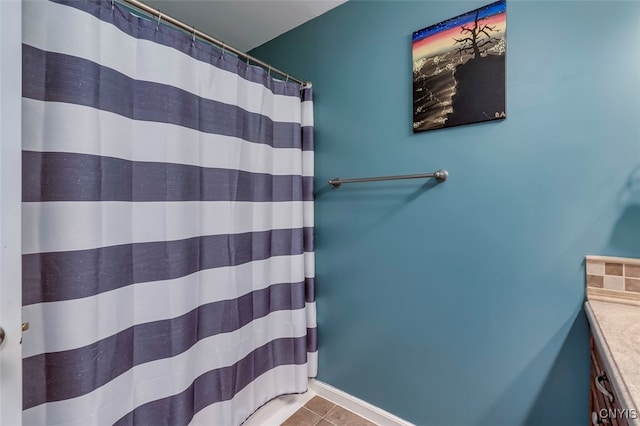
(459, 69)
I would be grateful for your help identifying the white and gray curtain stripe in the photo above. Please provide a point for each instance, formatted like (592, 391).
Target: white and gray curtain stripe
(168, 259)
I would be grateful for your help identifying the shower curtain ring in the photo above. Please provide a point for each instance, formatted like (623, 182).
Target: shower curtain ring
(224, 46)
(193, 40)
(113, 5)
(159, 19)
(269, 71)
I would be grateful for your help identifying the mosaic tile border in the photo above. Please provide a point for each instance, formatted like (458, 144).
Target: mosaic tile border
(613, 277)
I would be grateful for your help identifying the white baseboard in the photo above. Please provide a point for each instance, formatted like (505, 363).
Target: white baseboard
(358, 406)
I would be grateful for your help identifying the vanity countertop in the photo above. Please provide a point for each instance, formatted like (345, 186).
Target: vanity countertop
(616, 330)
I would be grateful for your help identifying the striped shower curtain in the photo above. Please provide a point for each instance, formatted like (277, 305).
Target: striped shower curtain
(168, 261)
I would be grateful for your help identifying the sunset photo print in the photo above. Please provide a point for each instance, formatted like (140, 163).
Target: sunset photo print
(459, 69)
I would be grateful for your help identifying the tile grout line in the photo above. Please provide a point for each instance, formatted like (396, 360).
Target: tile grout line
(328, 411)
(324, 416)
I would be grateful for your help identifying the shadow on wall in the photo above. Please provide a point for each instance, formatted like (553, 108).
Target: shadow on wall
(383, 200)
(563, 351)
(622, 240)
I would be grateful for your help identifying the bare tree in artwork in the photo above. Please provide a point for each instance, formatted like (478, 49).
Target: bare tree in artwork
(477, 37)
(459, 69)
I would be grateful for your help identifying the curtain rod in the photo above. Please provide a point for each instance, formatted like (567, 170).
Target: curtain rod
(163, 17)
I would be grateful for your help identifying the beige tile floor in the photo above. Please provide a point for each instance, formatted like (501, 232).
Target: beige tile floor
(321, 412)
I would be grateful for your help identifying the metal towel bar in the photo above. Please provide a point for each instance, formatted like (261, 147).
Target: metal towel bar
(440, 175)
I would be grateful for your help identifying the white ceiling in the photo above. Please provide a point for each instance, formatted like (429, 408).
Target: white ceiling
(244, 24)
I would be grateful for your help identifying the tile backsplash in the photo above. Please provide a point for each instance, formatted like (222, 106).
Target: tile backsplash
(613, 276)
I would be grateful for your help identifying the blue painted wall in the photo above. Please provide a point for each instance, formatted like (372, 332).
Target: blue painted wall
(461, 303)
